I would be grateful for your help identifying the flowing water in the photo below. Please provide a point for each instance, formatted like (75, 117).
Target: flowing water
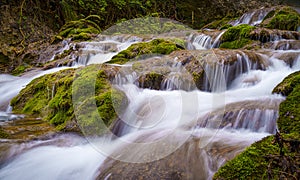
(204, 129)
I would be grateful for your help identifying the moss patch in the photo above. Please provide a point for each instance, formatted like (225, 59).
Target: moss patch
(219, 24)
(50, 96)
(80, 30)
(156, 46)
(262, 160)
(236, 37)
(288, 84)
(20, 69)
(285, 18)
(3, 134)
(151, 80)
(289, 115)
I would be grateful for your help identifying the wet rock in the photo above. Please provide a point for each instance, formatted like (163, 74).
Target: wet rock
(190, 161)
(257, 116)
(283, 45)
(27, 128)
(265, 35)
(199, 68)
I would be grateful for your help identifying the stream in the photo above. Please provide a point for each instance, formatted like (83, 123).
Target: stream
(161, 132)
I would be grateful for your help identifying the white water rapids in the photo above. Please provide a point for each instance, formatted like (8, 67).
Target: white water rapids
(150, 115)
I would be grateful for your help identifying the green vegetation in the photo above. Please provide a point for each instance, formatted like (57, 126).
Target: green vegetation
(3, 135)
(146, 25)
(81, 29)
(151, 80)
(219, 24)
(251, 163)
(20, 69)
(285, 18)
(277, 156)
(289, 115)
(50, 96)
(236, 37)
(156, 46)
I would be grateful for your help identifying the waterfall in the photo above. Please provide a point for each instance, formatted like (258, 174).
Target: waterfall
(252, 18)
(99, 51)
(204, 41)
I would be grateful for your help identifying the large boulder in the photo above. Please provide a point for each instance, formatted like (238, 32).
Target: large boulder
(51, 97)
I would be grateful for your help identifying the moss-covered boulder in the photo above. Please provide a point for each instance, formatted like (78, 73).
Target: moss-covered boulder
(50, 97)
(289, 119)
(156, 46)
(236, 37)
(288, 85)
(151, 80)
(284, 18)
(82, 29)
(274, 157)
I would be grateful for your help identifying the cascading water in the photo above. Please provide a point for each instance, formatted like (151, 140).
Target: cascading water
(204, 41)
(152, 115)
(104, 50)
(252, 18)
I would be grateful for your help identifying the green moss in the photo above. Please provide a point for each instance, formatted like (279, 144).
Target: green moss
(236, 44)
(219, 24)
(3, 135)
(50, 96)
(19, 70)
(284, 19)
(151, 80)
(82, 36)
(237, 36)
(289, 114)
(226, 26)
(146, 25)
(156, 46)
(288, 84)
(80, 29)
(237, 32)
(250, 164)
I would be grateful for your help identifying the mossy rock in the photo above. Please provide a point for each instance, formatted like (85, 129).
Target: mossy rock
(150, 80)
(20, 69)
(219, 24)
(285, 18)
(253, 162)
(156, 46)
(51, 97)
(289, 115)
(236, 37)
(288, 84)
(82, 29)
